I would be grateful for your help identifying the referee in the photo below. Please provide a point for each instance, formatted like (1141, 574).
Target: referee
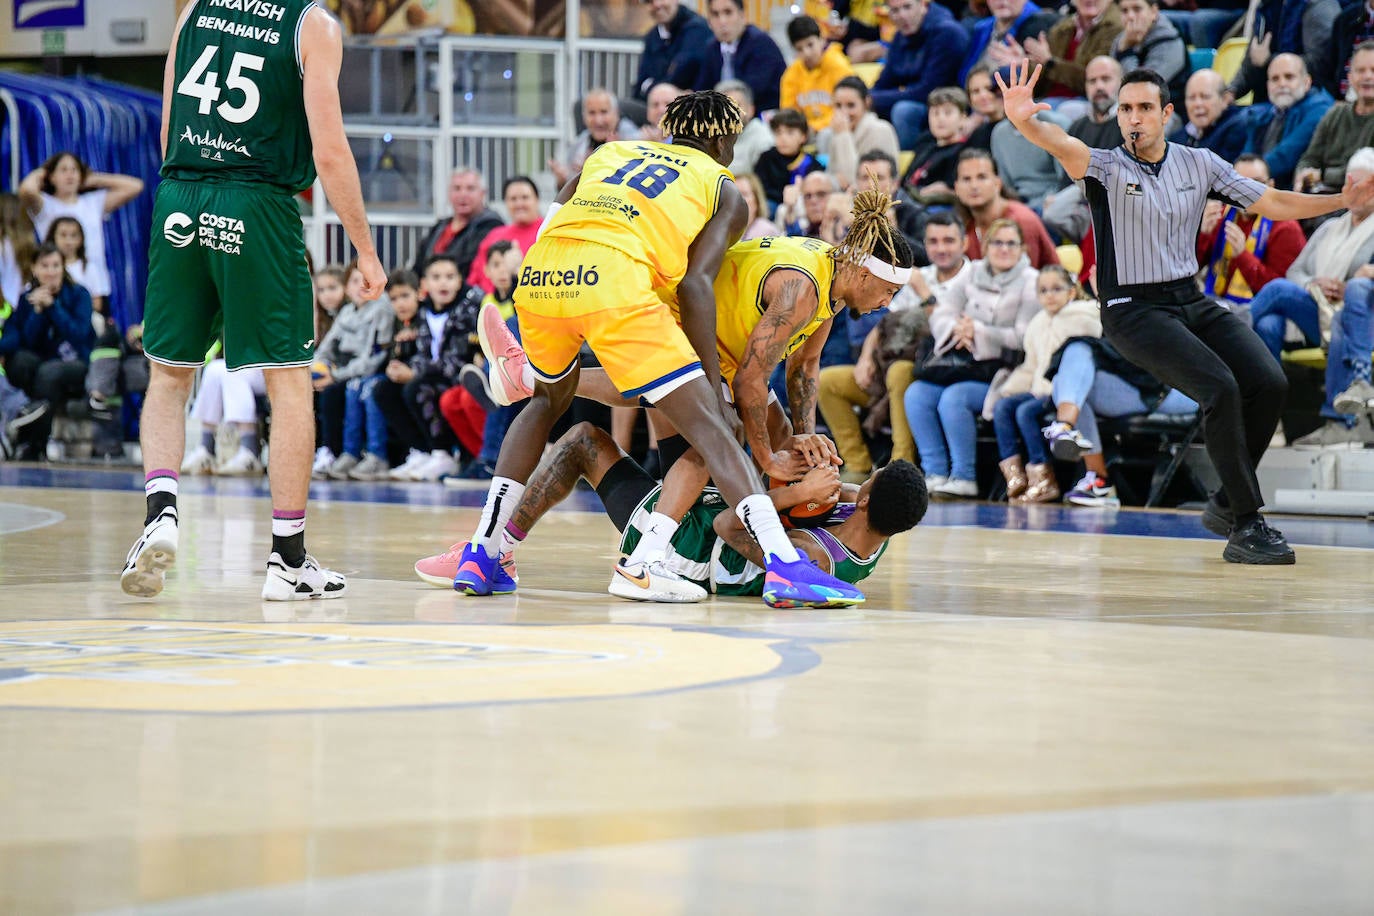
(1147, 198)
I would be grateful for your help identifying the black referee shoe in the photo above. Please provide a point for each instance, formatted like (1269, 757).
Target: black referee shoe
(1258, 544)
(1218, 519)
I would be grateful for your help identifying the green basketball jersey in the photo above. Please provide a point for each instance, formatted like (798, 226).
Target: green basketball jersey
(732, 574)
(689, 552)
(237, 105)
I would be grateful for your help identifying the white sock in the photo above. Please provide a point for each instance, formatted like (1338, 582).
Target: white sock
(502, 499)
(761, 520)
(510, 539)
(653, 543)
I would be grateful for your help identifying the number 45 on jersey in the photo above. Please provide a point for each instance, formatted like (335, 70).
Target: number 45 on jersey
(202, 83)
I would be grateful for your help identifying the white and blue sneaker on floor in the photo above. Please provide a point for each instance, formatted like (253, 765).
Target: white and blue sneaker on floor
(145, 569)
(301, 583)
(1093, 491)
(652, 581)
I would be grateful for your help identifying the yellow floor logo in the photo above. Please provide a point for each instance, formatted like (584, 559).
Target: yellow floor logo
(228, 668)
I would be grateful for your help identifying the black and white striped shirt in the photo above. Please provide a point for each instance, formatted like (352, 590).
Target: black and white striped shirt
(1146, 216)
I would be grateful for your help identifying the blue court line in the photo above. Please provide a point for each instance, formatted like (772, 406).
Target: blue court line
(1310, 531)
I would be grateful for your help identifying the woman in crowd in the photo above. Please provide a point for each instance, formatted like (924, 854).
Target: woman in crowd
(984, 313)
(855, 130)
(986, 103)
(522, 209)
(17, 247)
(751, 189)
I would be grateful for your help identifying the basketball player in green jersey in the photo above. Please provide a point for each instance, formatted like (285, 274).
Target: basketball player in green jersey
(250, 111)
(711, 547)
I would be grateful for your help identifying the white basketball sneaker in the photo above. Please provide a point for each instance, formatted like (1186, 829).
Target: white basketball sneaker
(145, 569)
(652, 581)
(301, 583)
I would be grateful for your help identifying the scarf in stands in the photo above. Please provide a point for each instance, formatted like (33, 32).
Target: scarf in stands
(1224, 278)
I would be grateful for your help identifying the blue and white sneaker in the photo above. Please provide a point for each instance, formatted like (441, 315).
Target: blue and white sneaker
(480, 575)
(1093, 491)
(1066, 443)
(802, 584)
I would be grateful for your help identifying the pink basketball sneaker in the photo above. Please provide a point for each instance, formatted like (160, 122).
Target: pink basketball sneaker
(440, 569)
(506, 360)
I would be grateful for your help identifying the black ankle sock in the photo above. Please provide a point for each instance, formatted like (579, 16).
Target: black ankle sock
(291, 547)
(1243, 520)
(157, 502)
(1219, 497)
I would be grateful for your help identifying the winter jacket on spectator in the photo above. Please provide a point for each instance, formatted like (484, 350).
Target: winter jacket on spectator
(1032, 21)
(676, 57)
(458, 342)
(1044, 336)
(1354, 25)
(1069, 73)
(1338, 135)
(1162, 51)
(871, 133)
(1225, 136)
(758, 62)
(918, 63)
(61, 331)
(462, 245)
(356, 345)
(1299, 123)
(1001, 306)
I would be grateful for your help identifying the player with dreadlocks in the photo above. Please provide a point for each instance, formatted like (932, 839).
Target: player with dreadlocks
(775, 298)
(640, 217)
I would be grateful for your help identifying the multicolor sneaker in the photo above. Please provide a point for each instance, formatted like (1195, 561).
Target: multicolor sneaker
(802, 584)
(480, 574)
(301, 583)
(145, 569)
(440, 569)
(1066, 443)
(652, 581)
(1093, 491)
(506, 360)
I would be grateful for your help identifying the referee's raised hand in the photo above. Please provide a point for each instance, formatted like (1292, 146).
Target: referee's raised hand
(1357, 193)
(1018, 98)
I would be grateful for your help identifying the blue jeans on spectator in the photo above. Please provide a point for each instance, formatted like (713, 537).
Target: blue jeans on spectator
(909, 120)
(1079, 382)
(1352, 338)
(364, 422)
(1276, 304)
(941, 414)
(1017, 418)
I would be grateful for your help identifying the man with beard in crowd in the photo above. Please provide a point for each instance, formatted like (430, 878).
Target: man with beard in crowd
(1281, 129)
(1214, 121)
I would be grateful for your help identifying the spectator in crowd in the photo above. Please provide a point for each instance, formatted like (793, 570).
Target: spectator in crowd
(1280, 129)
(1214, 121)
(909, 216)
(1150, 41)
(1347, 369)
(353, 350)
(521, 198)
(835, 223)
(985, 104)
(1073, 41)
(659, 98)
(405, 331)
(227, 397)
(1315, 282)
(787, 162)
(446, 340)
(672, 48)
(46, 343)
(932, 170)
(804, 206)
(65, 186)
(1242, 252)
(329, 298)
(335, 287)
(751, 189)
(1065, 211)
(924, 55)
(887, 360)
(854, 132)
(461, 234)
(17, 246)
(604, 124)
(979, 190)
(1288, 27)
(756, 137)
(1345, 128)
(854, 24)
(1018, 403)
(1204, 25)
(984, 313)
(117, 367)
(68, 237)
(1011, 21)
(808, 83)
(1027, 171)
(740, 51)
(1354, 26)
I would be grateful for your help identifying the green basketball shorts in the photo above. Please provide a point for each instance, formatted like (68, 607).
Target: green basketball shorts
(227, 258)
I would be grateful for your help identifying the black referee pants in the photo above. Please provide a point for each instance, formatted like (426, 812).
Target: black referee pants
(1189, 342)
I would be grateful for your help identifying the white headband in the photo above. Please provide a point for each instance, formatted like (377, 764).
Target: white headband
(885, 271)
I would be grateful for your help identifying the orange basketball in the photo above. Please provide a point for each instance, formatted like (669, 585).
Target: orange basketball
(804, 515)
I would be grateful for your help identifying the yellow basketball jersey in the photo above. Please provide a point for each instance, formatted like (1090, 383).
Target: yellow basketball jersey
(648, 200)
(739, 291)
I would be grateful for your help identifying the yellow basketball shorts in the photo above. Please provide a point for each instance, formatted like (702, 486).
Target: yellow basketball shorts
(571, 291)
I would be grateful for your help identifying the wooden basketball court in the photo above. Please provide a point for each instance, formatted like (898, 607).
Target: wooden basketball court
(1038, 711)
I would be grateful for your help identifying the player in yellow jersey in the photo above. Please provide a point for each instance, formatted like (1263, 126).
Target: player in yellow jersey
(640, 217)
(775, 300)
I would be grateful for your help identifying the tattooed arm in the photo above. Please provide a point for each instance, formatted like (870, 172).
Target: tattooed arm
(803, 379)
(819, 485)
(790, 302)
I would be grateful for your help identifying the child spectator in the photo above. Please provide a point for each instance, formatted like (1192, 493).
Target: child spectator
(350, 351)
(445, 342)
(70, 239)
(329, 298)
(809, 81)
(46, 343)
(933, 167)
(17, 245)
(227, 397)
(1018, 404)
(787, 161)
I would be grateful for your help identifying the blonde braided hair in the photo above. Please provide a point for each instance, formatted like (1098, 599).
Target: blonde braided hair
(701, 116)
(871, 233)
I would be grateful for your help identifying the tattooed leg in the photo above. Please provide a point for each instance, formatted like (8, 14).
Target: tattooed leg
(583, 451)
